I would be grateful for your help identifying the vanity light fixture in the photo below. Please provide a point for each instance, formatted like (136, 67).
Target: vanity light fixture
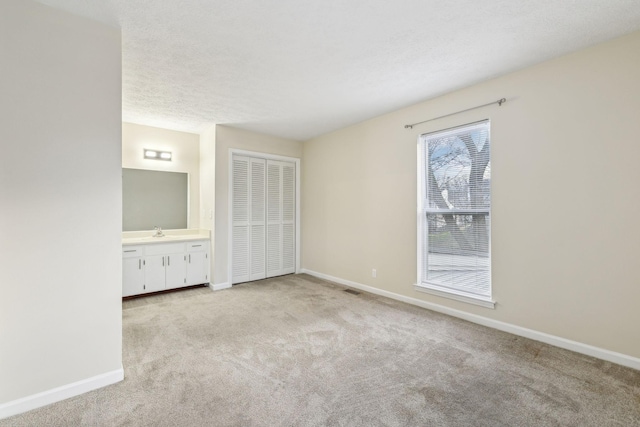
(157, 155)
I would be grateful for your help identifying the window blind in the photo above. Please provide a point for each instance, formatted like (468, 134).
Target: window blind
(456, 205)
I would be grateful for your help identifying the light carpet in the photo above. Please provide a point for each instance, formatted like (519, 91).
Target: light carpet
(299, 351)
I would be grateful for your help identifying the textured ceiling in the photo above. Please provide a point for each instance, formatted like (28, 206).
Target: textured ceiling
(301, 68)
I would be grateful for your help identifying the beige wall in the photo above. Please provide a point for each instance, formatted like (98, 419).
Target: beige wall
(60, 199)
(565, 176)
(226, 139)
(185, 148)
(207, 183)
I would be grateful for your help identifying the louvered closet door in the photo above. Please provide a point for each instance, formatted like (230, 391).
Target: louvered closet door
(263, 215)
(281, 209)
(257, 220)
(240, 213)
(249, 230)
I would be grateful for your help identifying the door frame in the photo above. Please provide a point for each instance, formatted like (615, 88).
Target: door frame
(266, 156)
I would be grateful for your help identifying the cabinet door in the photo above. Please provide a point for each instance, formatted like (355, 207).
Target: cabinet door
(154, 273)
(197, 268)
(176, 271)
(132, 276)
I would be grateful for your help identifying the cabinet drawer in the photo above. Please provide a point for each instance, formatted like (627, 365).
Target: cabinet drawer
(165, 248)
(132, 251)
(198, 246)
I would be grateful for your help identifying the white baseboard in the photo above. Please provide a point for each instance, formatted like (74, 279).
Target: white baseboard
(578, 347)
(220, 286)
(57, 394)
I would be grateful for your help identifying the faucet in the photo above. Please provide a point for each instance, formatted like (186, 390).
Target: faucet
(159, 232)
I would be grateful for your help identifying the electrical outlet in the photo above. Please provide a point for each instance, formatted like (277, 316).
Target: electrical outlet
(374, 273)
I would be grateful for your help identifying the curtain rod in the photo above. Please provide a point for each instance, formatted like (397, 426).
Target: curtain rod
(499, 102)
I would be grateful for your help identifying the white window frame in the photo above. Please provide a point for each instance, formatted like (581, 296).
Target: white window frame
(422, 284)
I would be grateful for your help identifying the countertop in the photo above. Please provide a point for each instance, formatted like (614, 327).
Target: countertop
(171, 236)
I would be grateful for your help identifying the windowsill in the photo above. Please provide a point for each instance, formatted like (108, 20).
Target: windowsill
(469, 298)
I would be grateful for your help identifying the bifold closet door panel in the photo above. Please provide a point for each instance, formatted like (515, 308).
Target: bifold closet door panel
(280, 218)
(240, 213)
(248, 211)
(288, 218)
(257, 220)
(274, 218)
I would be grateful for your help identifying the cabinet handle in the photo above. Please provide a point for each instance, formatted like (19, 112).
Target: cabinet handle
(163, 261)
(131, 250)
(189, 258)
(195, 246)
(139, 264)
(168, 260)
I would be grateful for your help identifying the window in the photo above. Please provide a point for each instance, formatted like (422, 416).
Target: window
(454, 220)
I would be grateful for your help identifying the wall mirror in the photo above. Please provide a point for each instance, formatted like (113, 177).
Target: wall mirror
(154, 198)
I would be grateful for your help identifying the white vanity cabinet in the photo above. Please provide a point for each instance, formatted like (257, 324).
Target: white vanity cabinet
(132, 270)
(197, 262)
(156, 267)
(154, 273)
(165, 266)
